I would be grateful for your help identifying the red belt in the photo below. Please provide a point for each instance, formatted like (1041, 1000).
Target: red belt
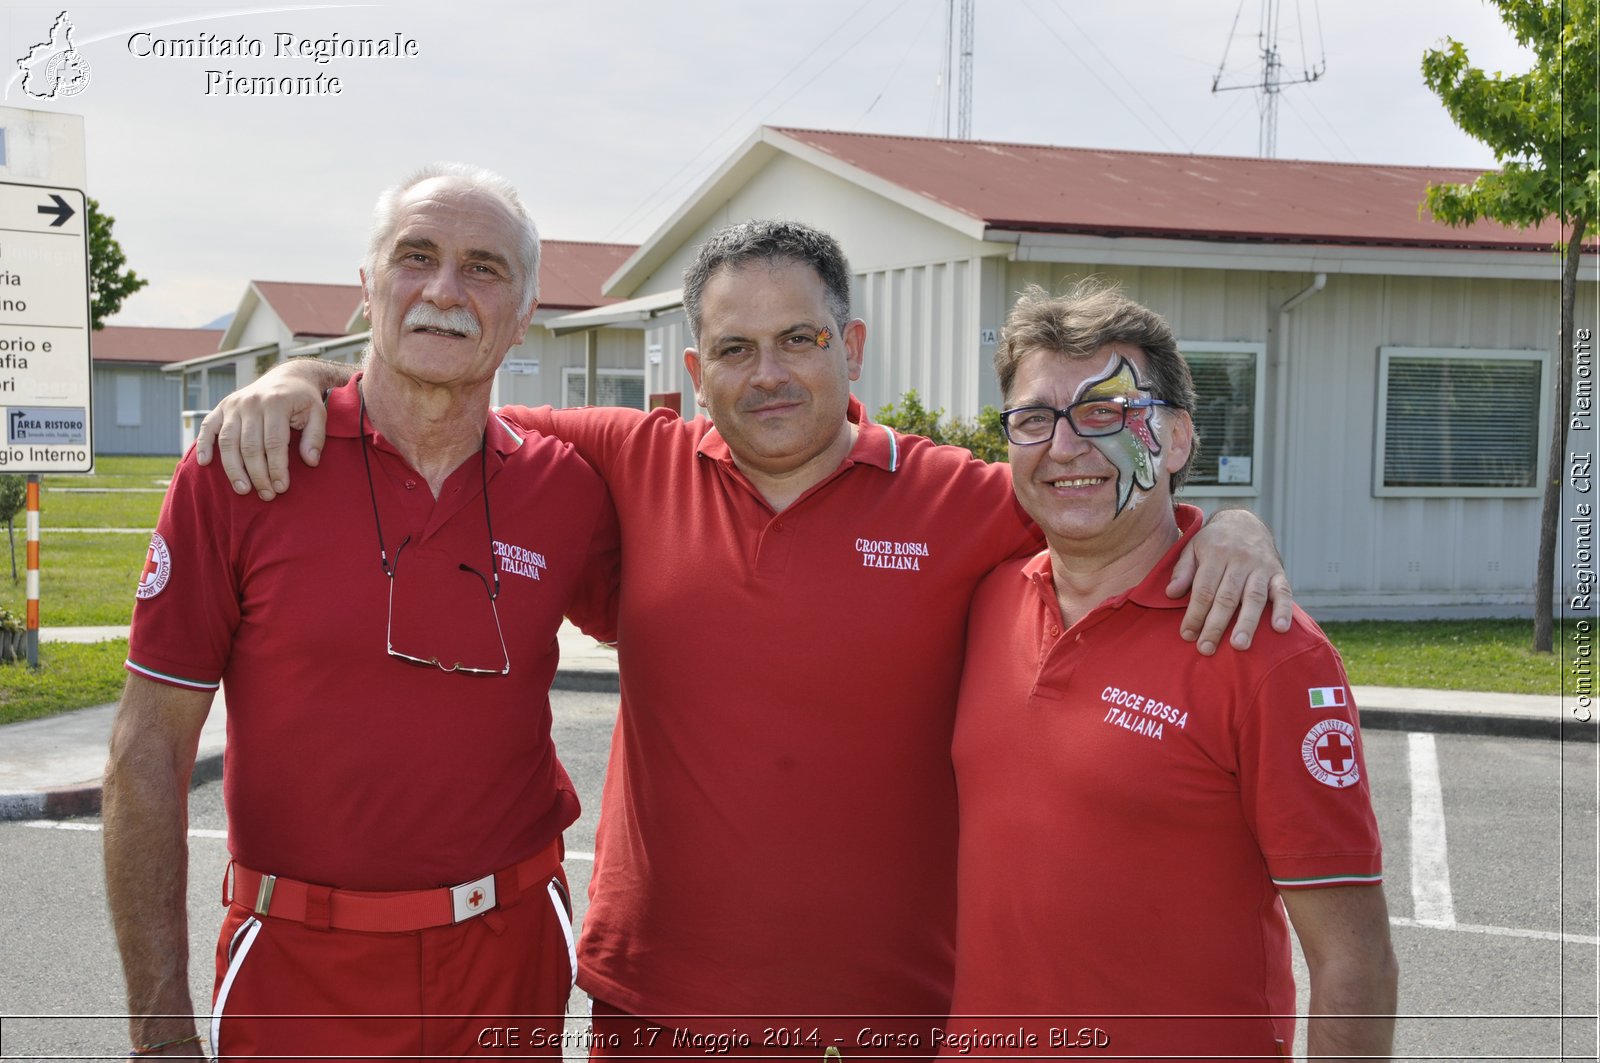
(324, 906)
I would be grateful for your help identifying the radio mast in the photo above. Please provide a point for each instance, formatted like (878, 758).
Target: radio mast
(1270, 81)
(958, 54)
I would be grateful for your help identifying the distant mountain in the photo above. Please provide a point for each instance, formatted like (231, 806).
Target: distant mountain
(222, 322)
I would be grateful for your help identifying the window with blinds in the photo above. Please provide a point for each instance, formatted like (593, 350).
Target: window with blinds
(1227, 416)
(617, 387)
(1460, 422)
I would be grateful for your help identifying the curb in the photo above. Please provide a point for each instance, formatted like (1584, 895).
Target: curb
(1559, 728)
(598, 681)
(84, 799)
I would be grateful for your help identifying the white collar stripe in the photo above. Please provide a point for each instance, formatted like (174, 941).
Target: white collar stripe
(507, 426)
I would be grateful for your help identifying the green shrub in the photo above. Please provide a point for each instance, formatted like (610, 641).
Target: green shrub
(983, 436)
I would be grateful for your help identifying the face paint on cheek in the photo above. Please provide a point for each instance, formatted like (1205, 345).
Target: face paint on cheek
(1134, 461)
(1132, 450)
(824, 337)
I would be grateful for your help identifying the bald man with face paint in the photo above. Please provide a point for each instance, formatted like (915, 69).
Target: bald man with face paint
(1134, 821)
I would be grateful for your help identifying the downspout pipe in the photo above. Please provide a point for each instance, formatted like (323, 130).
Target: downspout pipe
(1280, 413)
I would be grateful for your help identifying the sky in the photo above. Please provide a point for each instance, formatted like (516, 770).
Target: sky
(608, 114)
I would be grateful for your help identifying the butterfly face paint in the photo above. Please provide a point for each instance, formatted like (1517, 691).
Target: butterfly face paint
(1133, 450)
(824, 338)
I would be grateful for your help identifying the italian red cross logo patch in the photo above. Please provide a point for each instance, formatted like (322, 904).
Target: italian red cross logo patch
(1329, 753)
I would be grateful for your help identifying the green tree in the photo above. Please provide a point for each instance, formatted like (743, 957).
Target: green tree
(13, 494)
(1542, 128)
(109, 282)
(983, 436)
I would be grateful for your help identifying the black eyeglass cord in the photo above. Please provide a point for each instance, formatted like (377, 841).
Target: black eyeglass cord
(372, 495)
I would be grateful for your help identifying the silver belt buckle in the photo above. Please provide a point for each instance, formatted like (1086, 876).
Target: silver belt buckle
(472, 898)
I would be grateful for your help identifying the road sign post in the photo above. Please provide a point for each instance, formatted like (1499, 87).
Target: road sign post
(45, 387)
(46, 391)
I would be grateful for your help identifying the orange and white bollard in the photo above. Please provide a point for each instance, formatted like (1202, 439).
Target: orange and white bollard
(33, 571)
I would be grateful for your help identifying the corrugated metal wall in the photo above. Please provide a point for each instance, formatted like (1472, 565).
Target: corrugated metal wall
(922, 335)
(160, 426)
(1345, 548)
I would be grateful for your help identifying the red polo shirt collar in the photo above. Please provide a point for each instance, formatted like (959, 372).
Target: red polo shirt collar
(344, 420)
(1151, 592)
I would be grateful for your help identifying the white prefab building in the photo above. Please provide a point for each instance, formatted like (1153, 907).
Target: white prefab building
(276, 320)
(137, 405)
(1377, 385)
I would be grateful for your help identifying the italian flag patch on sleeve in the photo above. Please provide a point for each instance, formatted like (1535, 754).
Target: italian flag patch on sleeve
(1326, 697)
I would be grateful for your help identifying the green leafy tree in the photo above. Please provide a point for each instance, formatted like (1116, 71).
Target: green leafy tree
(1542, 128)
(983, 436)
(13, 494)
(109, 282)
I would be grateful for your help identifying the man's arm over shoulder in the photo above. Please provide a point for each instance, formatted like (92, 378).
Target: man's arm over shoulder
(1231, 569)
(251, 428)
(1355, 978)
(145, 807)
(595, 594)
(600, 434)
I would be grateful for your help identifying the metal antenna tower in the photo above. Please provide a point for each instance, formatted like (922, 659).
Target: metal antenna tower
(1270, 81)
(958, 60)
(964, 113)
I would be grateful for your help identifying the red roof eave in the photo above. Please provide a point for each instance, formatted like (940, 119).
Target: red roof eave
(1218, 236)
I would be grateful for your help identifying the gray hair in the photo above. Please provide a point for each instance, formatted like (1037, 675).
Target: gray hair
(488, 182)
(773, 242)
(1086, 318)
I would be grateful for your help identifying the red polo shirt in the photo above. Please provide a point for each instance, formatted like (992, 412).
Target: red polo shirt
(346, 766)
(777, 834)
(1129, 812)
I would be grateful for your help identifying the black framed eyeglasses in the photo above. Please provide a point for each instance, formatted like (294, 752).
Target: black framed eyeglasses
(1029, 425)
(443, 588)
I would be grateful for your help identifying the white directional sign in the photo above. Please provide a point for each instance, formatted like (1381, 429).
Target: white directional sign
(45, 386)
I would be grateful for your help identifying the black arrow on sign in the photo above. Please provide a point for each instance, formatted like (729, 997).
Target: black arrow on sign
(61, 210)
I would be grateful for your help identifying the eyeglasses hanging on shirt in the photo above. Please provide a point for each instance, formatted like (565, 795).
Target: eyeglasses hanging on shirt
(442, 621)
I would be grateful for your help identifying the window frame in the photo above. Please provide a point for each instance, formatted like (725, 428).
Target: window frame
(1541, 449)
(582, 374)
(128, 388)
(1253, 489)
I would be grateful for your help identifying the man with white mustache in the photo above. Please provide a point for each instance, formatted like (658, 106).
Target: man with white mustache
(388, 638)
(774, 870)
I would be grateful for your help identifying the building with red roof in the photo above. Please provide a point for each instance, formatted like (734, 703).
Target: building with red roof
(1350, 351)
(279, 319)
(136, 406)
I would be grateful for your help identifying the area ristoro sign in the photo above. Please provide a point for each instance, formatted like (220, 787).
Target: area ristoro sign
(45, 385)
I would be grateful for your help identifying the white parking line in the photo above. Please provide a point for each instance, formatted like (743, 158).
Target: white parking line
(53, 824)
(1431, 901)
(201, 832)
(1464, 928)
(1498, 931)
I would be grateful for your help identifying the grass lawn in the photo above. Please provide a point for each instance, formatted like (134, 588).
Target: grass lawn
(1450, 655)
(88, 578)
(70, 676)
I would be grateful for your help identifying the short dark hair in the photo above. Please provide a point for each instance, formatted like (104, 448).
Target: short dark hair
(774, 242)
(1088, 316)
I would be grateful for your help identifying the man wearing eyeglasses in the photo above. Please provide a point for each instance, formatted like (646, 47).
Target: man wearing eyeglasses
(775, 860)
(1130, 906)
(387, 637)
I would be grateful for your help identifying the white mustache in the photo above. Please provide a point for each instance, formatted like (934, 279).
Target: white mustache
(458, 319)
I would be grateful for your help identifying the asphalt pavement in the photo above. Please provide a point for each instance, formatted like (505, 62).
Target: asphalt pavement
(52, 768)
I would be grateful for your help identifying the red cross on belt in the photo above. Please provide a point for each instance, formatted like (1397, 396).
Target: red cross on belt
(1334, 752)
(477, 895)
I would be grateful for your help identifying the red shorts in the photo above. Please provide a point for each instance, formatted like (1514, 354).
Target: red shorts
(494, 984)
